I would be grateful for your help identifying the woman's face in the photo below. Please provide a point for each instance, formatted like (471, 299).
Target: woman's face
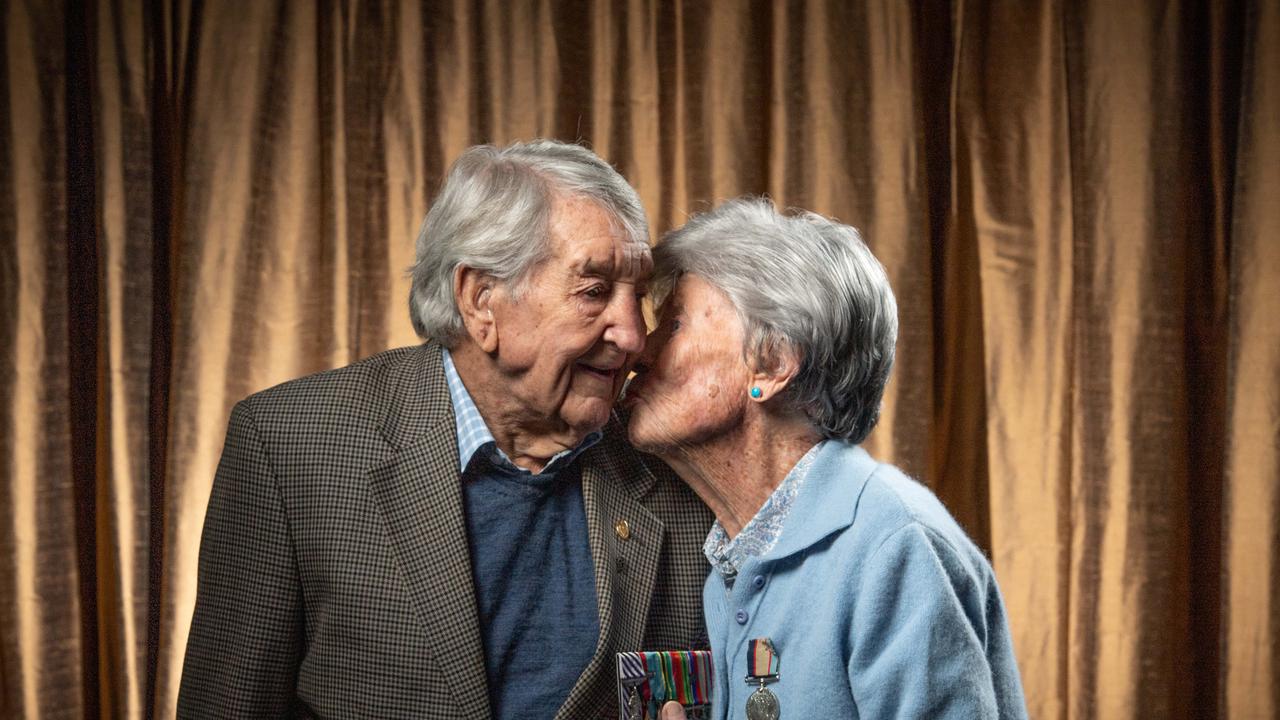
(691, 383)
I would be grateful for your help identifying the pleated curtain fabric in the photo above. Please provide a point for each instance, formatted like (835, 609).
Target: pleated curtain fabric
(1076, 203)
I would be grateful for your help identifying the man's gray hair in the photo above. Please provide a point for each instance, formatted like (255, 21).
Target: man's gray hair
(800, 282)
(493, 214)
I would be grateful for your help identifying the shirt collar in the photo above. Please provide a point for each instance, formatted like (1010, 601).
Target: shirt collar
(761, 532)
(474, 435)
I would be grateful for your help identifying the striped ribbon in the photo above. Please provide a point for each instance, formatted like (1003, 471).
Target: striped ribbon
(762, 659)
(656, 677)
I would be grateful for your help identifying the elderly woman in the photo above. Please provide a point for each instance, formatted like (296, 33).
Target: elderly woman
(841, 588)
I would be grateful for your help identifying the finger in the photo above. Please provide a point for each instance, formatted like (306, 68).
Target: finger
(672, 711)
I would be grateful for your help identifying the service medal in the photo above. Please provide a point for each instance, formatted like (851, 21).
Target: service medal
(762, 667)
(762, 705)
(648, 679)
(635, 706)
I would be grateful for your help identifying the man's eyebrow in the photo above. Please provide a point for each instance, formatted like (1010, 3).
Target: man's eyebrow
(591, 266)
(595, 268)
(610, 266)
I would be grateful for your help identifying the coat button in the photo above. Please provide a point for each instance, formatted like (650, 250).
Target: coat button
(757, 582)
(741, 616)
(622, 528)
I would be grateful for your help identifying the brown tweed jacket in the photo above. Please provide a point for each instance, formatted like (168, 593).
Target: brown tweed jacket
(335, 579)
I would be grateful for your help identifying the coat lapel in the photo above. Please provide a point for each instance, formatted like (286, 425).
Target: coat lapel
(626, 570)
(418, 489)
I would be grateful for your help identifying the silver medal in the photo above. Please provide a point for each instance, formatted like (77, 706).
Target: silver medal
(762, 705)
(635, 706)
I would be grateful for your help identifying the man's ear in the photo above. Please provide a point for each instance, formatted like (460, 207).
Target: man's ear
(773, 371)
(473, 292)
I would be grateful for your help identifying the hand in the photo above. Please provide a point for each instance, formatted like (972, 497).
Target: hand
(671, 711)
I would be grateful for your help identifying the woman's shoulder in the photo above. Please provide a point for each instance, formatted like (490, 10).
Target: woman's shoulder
(892, 498)
(894, 507)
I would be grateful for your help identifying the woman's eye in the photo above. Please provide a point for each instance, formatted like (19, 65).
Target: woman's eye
(595, 293)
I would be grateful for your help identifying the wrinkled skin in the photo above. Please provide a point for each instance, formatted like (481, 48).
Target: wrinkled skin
(692, 381)
(567, 337)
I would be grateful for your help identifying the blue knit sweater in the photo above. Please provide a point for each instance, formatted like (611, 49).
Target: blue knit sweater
(878, 604)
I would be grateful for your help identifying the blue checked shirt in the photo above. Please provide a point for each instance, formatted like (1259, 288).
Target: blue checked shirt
(474, 435)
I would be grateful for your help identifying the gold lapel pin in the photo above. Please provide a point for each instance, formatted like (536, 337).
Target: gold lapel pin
(622, 528)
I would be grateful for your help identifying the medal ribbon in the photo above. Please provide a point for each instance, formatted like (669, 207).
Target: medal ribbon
(668, 682)
(656, 689)
(699, 677)
(677, 678)
(695, 679)
(686, 677)
(680, 675)
(762, 659)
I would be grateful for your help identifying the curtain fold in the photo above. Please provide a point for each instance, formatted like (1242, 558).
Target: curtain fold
(1074, 202)
(40, 598)
(1250, 641)
(1011, 223)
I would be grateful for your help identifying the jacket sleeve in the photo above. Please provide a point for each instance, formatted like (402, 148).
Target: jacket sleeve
(247, 632)
(919, 633)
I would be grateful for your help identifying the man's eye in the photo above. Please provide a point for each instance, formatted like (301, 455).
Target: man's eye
(595, 293)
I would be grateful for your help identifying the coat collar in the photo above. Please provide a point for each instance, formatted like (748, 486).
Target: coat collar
(416, 387)
(828, 500)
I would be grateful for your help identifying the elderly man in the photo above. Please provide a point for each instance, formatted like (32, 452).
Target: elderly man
(458, 529)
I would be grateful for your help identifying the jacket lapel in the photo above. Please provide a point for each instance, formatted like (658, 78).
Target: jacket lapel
(418, 489)
(626, 570)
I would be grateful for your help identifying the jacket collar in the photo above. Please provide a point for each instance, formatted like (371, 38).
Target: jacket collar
(416, 387)
(828, 501)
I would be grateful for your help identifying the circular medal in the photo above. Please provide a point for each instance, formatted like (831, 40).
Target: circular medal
(762, 705)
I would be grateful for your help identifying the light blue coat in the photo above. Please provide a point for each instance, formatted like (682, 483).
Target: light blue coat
(877, 602)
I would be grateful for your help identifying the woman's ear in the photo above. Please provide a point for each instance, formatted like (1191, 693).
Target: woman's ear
(772, 371)
(473, 292)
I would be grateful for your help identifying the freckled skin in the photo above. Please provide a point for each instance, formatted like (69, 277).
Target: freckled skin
(690, 406)
(691, 384)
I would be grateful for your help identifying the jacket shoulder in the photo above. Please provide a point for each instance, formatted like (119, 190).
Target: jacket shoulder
(354, 390)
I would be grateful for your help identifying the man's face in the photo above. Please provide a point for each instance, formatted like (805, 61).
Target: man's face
(568, 336)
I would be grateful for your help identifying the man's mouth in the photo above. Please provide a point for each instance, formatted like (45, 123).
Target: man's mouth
(604, 373)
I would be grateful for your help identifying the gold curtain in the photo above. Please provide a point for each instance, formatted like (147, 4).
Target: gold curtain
(1076, 202)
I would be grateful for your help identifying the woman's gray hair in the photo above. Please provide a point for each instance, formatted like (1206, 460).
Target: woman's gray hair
(802, 283)
(493, 214)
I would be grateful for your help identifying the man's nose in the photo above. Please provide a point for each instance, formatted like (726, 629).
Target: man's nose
(626, 324)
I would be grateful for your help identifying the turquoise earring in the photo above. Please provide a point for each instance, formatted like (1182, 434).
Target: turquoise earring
(756, 393)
